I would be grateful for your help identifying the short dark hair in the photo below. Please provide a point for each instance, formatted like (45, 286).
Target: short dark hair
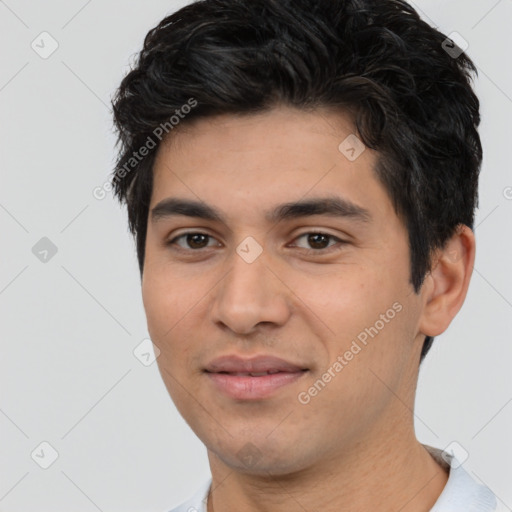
(409, 98)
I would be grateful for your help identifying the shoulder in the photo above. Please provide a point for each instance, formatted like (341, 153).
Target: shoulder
(462, 492)
(501, 508)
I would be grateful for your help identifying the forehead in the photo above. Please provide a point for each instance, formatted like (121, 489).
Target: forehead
(251, 163)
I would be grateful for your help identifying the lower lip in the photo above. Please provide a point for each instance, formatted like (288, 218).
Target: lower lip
(253, 388)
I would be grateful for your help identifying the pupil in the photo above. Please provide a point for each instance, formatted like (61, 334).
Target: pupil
(194, 240)
(313, 240)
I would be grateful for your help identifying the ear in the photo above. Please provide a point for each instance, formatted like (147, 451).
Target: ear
(446, 286)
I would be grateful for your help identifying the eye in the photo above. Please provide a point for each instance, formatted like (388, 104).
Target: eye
(194, 240)
(319, 241)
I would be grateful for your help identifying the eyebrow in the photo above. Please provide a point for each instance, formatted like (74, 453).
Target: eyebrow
(330, 206)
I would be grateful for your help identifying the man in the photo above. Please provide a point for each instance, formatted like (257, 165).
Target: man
(301, 178)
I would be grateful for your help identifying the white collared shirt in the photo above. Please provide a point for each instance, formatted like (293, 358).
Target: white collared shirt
(460, 494)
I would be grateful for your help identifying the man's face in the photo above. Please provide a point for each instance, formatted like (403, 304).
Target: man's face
(336, 307)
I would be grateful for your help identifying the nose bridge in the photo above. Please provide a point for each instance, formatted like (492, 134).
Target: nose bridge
(249, 293)
(247, 283)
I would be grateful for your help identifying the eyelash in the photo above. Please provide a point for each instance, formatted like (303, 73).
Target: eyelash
(326, 250)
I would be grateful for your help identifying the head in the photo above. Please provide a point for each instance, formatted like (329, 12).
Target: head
(244, 107)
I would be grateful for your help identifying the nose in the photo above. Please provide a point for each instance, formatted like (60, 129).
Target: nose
(251, 294)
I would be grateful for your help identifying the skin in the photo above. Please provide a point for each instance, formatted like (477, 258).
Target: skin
(352, 446)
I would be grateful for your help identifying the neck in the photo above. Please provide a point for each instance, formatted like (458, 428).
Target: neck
(394, 472)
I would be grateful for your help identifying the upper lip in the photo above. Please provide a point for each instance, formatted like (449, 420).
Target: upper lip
(255, 364)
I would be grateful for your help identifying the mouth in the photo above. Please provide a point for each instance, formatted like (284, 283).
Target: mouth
(252, 374)
(256, 378)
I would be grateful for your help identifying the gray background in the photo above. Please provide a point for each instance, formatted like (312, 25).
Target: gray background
(70, 324)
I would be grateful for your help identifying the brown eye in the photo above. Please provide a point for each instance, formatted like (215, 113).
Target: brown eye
(197, 240)
(193, 240)
(317, 241)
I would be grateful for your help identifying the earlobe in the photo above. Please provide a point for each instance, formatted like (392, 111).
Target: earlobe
(448, 282)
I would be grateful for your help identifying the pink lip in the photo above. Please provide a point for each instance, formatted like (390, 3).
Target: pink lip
(225, 372)
(255, 364)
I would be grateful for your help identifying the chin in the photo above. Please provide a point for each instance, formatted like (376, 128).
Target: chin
(259, 455)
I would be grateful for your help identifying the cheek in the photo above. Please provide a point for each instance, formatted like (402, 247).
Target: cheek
(364, 312)
(345, 297)
(169, 303)
(367, 348)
